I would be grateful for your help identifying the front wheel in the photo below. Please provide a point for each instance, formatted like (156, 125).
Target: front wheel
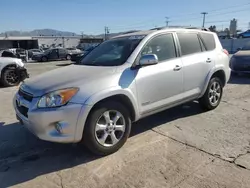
(107, 128)
(68, 57)
(44, 59)
(212, 97)
(10, 77)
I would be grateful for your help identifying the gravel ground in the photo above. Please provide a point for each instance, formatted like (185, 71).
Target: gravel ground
(181, 147)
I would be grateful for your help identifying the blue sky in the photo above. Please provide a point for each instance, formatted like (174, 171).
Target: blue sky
(90, 16)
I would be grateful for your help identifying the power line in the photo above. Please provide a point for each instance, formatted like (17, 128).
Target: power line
(182, 15)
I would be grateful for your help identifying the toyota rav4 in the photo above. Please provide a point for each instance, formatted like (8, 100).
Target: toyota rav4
(121, 81)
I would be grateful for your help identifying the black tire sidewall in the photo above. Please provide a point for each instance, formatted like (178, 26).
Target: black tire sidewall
(4, 81)
(205, 102)
(44, 59)
(89, 139)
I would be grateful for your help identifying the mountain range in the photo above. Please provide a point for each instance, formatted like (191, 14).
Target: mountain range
(51, 32)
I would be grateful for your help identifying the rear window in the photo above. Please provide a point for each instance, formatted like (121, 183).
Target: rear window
(208, 40)
(189, 43)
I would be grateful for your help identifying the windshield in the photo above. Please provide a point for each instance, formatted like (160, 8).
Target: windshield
(47, 51)
(113, 52)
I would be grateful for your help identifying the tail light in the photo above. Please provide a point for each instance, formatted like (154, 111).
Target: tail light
(225, 51)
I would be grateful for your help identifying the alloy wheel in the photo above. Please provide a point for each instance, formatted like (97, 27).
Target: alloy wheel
(110, 128)
(214, 93)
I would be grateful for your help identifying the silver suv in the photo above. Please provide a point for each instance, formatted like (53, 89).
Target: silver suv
(121, 81)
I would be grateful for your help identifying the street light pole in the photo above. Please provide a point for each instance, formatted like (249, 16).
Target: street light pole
(167, 21)
(204, 18)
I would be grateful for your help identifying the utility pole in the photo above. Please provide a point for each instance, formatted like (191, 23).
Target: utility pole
(204, 18)
(106, 32)
(167, 21)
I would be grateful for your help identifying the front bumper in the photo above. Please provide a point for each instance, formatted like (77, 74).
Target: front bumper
(43, 122)
(22, 73)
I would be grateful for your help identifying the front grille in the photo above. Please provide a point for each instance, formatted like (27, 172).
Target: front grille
(25, 95)
(22, 109)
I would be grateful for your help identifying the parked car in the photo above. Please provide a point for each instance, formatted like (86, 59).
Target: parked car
(32, 52)
(245, 34)
(7, 53)
(77, 57)
(19, 53)
(53, 54)
(12, 71)
(121, 81)
(74, 50)
(240, 61)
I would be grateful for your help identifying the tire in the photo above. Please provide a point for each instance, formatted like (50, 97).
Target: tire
(68, 57)
(44, 59)
(205, 101)
(6, 77)
(91, 137)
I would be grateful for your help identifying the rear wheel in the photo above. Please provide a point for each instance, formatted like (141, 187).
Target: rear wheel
(107, 128)
(44, 59)
(9, 77)
(212, 97)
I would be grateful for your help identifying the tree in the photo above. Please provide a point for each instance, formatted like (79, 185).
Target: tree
(212, 28)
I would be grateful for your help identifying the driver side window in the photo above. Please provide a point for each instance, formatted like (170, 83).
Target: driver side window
(163, 46)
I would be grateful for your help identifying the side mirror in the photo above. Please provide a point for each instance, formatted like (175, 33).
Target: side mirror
(149, 59)
(238, 49)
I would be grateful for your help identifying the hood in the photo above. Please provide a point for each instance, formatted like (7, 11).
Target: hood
(242, 53)
(69, 76)
(9, 60)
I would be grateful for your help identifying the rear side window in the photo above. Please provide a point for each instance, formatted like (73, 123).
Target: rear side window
(189, 43)
(62, 51)
(208, 40)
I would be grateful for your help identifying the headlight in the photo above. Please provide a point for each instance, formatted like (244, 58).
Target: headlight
(57, 98)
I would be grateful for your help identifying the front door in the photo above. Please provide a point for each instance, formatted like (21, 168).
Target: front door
(160, 85)
(53, 55)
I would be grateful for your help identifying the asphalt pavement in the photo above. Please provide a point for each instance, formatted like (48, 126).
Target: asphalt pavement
(181, 147)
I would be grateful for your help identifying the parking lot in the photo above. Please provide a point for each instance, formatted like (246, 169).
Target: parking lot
(181, 147)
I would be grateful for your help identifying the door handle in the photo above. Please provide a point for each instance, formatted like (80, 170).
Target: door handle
(177, 68)
(208, 60)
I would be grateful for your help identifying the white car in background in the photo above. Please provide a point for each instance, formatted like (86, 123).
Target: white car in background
(12, 71)
(74, 50)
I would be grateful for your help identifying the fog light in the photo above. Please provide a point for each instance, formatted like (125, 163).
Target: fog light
(58, 127)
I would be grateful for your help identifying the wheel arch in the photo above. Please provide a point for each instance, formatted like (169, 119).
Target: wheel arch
(12, 65)
(218, 72)
(124, 98)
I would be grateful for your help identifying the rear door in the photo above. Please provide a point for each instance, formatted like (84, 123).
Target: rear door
(197, 62)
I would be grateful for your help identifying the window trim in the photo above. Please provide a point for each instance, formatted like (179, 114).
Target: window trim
(197, 33)
(136, 61)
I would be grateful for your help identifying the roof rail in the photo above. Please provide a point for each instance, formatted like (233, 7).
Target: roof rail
(200, 28)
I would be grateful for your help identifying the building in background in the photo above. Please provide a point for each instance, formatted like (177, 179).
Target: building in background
(233, 27)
